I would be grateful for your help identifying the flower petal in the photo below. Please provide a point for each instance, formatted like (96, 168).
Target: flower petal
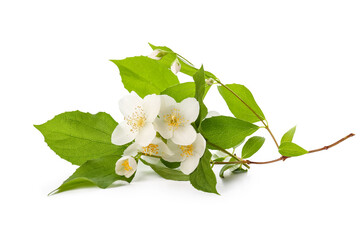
(184, 135)
(151, 106)
(122, 134)
(151, 160)
(161, 126)
(154, 54)
(132, 150)
(199, 145)
(189, 109)
(132, 163)
(176, 153)
(128, 103)
(167, 103)
(189, 165)
(146, 134)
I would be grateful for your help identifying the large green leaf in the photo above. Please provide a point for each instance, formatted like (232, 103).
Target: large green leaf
(226, 132)
(78, 136)
(288, 136)
(199, 79)
(203, 178)
(290, 149)
(180, 91)
(167, 173)
(238, 108)
(99, 172)
(144, 75)
(252, 146)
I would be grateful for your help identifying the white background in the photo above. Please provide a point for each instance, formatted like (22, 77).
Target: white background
(299, 58)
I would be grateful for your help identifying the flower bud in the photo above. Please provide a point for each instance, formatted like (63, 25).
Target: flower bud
(157, 54)
(176, 66)
(209, 81)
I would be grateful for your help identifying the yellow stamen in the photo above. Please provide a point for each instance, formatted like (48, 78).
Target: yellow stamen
(137, 119)
(187, 150)
(126, 165)
(174, 119)
(151, 149)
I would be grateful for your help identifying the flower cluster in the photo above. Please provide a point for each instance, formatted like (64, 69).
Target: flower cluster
(160, 128)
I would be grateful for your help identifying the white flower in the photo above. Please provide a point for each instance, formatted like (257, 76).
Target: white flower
(175, 66)
(188, 155)
(139, 115)
(175, 119)
(156, 148)
(126, 166)
(157, 54)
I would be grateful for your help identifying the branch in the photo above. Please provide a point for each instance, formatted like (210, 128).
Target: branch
(283, 158)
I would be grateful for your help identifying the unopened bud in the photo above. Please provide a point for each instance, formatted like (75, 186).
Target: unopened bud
(175, 66)
(157, 54)
(209, 81)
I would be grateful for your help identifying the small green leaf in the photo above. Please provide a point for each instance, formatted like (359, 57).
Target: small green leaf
(224, 168)
(239, 170)
(226, 132)
(199, 79)
(288, 136)
(180, 91)
(233, 168)
(290, 149)
(220, 159)
(145, 76)
(203, 178)
(78, 136)
(252, 146)
(239, 109)
(170, 164)
(167, 173)
(100, 172)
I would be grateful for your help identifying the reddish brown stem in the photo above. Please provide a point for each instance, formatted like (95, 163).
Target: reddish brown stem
(283, 158)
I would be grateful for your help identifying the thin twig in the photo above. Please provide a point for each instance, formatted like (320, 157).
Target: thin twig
(283, 158)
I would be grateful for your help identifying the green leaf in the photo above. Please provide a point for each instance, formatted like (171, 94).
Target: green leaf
(220, 159)
(199, 79)
(252, 146)
(167, 173)
(203, 178)
(180, 91)
(224, 168)
(144, 75)
(236, 168)
(186, 67)
(288, 136)
(239, 170)
(78, 136)
(239, 109)
(290, 149)
(226, 132)
(170, 164)
(99, 172)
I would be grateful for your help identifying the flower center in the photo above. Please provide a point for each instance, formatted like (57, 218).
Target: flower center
(126, 165)
(151, 149)
(174, 119)
(187, 150)
(137, 119)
